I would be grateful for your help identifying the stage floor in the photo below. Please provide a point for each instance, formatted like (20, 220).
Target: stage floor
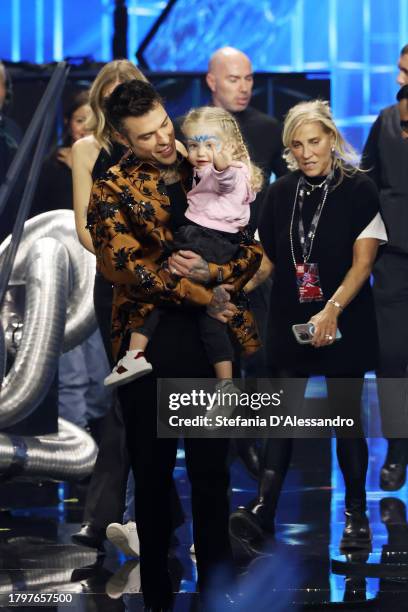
(301, 569)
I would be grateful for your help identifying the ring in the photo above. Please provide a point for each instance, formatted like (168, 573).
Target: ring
(329, 337)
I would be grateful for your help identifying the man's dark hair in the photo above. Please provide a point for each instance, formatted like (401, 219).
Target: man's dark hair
(404, 50)
(130, 99)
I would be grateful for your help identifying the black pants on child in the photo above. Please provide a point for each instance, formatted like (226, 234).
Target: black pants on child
(214, 335)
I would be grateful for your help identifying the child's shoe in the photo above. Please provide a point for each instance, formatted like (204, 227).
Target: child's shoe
(133, 365)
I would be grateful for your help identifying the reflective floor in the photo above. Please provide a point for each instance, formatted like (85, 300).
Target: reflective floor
(301, 569)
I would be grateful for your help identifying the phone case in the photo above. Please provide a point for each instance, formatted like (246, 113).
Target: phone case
(304, 332)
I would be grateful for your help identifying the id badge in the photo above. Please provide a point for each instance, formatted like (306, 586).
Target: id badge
(308, 283)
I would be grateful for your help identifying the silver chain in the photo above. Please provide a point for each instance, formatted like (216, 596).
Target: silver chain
(312, 187)
(292, 248)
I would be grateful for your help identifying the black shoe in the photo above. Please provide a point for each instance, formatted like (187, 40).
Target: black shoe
(357, 532)
(89, 536)
(257, 520)
(246, 526)
(393, 511)
(393, 476)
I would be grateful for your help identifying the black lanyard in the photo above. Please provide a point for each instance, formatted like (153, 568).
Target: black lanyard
(306, 241)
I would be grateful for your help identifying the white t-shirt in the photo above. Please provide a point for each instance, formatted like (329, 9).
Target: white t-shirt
(375, 229)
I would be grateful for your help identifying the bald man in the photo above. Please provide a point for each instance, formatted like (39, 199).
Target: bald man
(230, 79)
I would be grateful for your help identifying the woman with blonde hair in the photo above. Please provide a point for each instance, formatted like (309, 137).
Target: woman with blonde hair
(92, 157)
(96, 153)
(320, 229)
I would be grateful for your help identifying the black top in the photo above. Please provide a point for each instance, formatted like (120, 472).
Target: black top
(263, 135)
(347, 211)
(385, 156)
(106, 160)
(10, 138)
(54, 189)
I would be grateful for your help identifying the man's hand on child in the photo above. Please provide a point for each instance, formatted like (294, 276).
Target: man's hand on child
(220, 307)
(190, 265)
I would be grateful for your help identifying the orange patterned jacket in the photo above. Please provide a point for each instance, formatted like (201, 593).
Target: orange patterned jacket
(128, 218)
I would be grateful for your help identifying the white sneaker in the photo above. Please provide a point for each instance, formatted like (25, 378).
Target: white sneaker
(125, 580)
(124, 537)
(131, 366)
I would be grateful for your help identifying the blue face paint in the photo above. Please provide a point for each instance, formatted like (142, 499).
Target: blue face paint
(205, 138)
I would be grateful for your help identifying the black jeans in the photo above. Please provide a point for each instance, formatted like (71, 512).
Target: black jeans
(175, 351)
(352, 453)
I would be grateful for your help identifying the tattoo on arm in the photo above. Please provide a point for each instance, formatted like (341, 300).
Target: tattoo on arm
(170, 175)
(200, 271)
(220, 299)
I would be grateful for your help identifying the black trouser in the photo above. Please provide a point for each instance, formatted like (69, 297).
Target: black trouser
(391, 302)
(175, 351)
(344, 398)
(105, 499)
(213, 333)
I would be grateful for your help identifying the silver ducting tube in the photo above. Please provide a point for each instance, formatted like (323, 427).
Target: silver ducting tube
(60, 225)
(36, 361)
(67, 455)
(56, 274)
(39, 581)
(3, 354)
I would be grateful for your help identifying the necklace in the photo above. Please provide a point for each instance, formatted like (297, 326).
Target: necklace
(306, 242)
(311, 186)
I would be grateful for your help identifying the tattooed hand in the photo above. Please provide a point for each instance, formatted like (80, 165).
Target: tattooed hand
(220, 307)
(190, 265)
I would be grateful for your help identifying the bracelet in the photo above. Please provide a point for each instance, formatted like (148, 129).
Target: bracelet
(336, 304)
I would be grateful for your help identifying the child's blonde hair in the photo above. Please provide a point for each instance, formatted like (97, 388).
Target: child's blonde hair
(118, 71)
(229, 126)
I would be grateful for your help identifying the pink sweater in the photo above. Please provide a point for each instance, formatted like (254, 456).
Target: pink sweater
(221, 200)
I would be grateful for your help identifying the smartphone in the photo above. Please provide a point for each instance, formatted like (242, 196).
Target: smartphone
(304, 332)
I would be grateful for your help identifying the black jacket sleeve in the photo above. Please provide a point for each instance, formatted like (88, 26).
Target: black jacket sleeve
(370, 159)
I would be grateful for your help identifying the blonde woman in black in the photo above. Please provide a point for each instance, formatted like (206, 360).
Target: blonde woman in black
(320, 230)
